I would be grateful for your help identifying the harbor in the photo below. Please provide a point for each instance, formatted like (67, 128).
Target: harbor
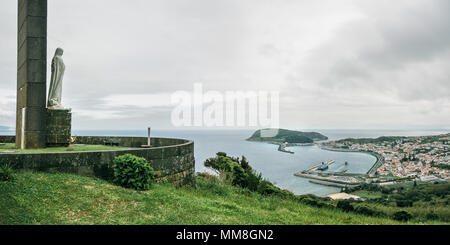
(341, 179)
(372, 171)
(319, 175)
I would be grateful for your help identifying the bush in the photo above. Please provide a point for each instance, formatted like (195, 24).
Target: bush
(402, 216)
(431, 216)
(133, 172)
(345, 206)
(245, 164)
(267, 188)
(253, 181)
(221, 163)
(309, 201)
(6, 173)
(315, 201)
(365, 211)
(239, 172)
(240, 177)
(404, 203)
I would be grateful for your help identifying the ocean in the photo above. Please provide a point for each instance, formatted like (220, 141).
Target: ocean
(278, 167)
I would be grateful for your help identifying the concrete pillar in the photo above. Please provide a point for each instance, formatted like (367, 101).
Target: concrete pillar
(31, 73)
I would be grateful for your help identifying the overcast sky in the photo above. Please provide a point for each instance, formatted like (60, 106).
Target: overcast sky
(337, 64)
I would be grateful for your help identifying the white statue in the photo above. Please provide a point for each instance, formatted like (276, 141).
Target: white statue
(55, 91)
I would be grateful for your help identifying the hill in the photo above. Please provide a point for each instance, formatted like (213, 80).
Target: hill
(290, 136)
(45, 198)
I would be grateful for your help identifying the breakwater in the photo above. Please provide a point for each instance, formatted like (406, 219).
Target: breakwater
(333, 180)
(282, 148)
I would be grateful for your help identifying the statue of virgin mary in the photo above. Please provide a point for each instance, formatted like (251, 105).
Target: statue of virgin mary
(55, 91)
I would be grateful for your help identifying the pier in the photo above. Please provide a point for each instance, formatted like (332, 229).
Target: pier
(336, 179)
(282, 148)
(315, 167)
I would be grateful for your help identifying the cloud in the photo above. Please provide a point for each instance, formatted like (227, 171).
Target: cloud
(336, 63)
(401, 50)
(146, 101)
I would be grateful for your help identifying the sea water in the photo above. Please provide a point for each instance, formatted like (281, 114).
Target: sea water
(278, 167)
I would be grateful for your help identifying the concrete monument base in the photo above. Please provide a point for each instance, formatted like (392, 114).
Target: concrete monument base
(59, 127)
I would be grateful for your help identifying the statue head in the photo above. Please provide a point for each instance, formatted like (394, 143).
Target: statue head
(59, 52)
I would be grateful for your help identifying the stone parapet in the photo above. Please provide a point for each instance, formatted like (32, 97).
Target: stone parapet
(59, 127)
(172, 159)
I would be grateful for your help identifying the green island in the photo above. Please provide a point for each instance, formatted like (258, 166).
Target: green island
(289, 136)
(11, 148)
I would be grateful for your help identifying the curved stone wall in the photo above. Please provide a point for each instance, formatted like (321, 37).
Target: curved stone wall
(172, 159)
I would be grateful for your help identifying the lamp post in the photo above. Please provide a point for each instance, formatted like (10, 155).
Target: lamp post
(148, 145)
(149, 130)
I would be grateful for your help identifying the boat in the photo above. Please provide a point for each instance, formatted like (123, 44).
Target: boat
(323, 167)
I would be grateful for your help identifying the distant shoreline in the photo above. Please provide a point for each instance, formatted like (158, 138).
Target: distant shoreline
(282, 146)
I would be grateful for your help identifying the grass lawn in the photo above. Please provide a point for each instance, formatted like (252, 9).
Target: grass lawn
(44, 198)
(368, 194)
(11, 148)
(406, 186)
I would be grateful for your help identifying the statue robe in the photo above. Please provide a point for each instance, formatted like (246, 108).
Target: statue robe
(55, 91)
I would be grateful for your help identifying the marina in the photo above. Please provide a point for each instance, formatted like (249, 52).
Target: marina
(319, 175)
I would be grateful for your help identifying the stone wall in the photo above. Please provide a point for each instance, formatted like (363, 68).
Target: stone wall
(59, 127)
(172, 159)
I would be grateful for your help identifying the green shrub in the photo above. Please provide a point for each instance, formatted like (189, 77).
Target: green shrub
(253, 181)
(315, 201)
(245, 164)
(266, 188)
(6, 173)
(221, 163)
(404, 203)
(309, 201)
(402, 216)
(133, 172)
(431, 216)
(240, 177)
(365, 211)
(324, 204)
(345, 206)
(238, 172)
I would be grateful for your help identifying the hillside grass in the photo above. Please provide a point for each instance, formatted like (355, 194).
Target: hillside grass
(11, 148)
(428, 201)
(57, 198)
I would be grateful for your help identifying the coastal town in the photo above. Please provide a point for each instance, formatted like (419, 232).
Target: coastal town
(423, 158)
